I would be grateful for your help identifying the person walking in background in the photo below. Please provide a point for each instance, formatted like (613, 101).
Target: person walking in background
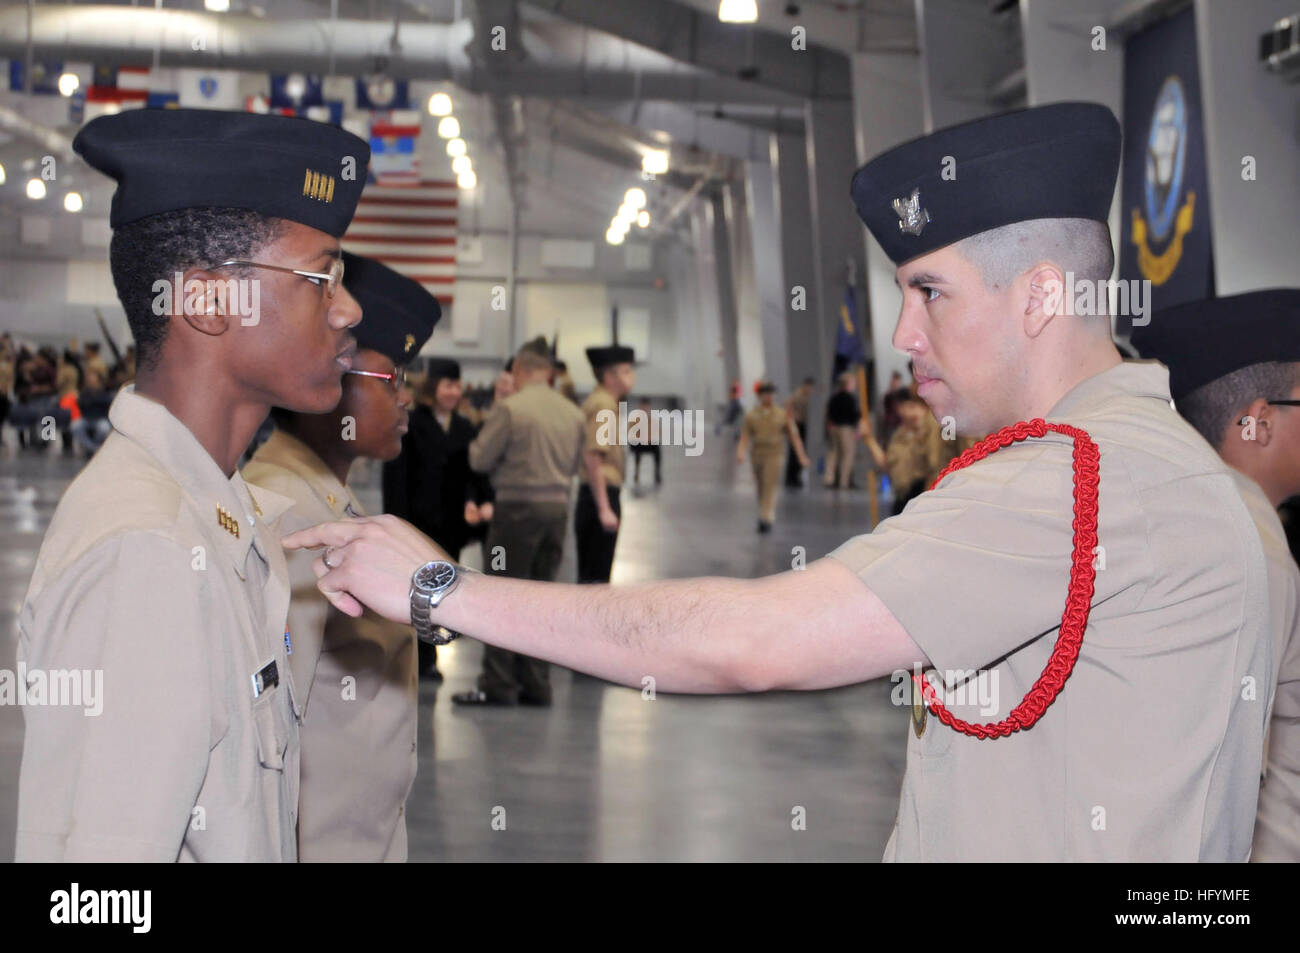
(797, 409)
(596, 516)
(912, 459)
(766, 429)
(430, 483)
(531, 446)
(842, 416)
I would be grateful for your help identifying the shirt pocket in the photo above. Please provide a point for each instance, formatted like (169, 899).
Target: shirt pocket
(272, 736)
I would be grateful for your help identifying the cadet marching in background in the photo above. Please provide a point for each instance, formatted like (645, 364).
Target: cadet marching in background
(531, 446)
(597, 513)
(764, 433)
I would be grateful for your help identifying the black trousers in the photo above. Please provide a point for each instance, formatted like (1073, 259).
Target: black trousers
(640, 450)
(793, 468)
(595, 545)
(531, 541)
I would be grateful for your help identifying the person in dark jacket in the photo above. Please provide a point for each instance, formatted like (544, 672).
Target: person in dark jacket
(430, 484)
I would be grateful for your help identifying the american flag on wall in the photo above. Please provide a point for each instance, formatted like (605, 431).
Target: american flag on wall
(412, 229)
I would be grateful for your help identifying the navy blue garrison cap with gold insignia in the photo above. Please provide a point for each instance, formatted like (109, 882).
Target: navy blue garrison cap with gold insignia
(397, 313)
(603, 357)
(1202, 341)
(165, 160)
(1055, 161)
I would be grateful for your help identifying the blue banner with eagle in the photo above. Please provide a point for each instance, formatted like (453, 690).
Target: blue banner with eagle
(1165, 207)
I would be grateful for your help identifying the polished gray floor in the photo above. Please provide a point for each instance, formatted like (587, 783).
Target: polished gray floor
(605, 774)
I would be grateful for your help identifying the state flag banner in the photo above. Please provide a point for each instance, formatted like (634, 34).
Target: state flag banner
(208, 89)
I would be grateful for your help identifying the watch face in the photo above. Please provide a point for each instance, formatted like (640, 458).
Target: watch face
(435, 575)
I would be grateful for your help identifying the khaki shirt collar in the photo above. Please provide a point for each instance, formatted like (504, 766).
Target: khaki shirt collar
(225, 504)
(285, 450)
(1128, 379)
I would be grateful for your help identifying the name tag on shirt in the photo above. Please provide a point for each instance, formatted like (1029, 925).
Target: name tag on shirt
(268, 676)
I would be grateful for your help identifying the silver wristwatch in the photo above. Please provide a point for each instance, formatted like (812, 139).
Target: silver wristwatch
(430, 584)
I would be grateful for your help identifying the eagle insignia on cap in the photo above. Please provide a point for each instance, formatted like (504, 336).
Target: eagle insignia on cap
(318, 186)
(410, 343)
(912, 218)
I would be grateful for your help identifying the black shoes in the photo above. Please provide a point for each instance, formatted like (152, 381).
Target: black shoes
(764, 526)
(482, 698)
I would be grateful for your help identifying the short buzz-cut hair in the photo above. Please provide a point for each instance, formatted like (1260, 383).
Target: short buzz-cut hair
(1078, 245)
(1215, 407)
(156, 247)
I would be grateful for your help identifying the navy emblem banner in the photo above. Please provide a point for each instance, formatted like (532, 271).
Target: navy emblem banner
(1165, 207)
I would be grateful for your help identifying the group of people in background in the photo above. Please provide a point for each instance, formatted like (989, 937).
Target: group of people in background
(44, 392)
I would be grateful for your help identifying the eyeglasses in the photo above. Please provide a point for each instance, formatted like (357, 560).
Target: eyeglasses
(332, 278)
(1285, 403)
(397, 379)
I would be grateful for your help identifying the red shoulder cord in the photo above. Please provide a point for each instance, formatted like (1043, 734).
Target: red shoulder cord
(1078, 600)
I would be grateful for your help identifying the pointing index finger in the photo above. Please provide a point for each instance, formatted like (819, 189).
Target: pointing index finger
(338, 533)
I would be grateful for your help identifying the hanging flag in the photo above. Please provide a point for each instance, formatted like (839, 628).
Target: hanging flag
(45, 76)
(295, 91)
(848, 347)
(393, 159)
(412, 229)
(382, 92)
(114, 88)
(208, 88)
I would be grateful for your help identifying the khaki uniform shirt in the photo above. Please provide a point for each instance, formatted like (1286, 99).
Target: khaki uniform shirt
(766, 429)
(141, 577)
(531, 445)
(1277, 828)
(360, 710)
(602, 436)
(910, 456)
(797, 407)
(1152, 750)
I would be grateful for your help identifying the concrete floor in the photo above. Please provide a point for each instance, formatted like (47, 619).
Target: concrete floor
(604, 774)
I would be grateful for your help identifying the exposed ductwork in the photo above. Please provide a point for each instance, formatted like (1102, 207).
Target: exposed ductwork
(562, 61)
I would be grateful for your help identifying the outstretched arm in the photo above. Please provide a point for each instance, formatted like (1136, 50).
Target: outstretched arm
(814, 628)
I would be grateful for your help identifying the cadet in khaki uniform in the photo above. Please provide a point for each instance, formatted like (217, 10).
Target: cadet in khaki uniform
(531, 445)
(596, 516)
(1234, 374)
(765, 429)
(161, 568)
(356, 677)
(796, 409)
(1094, 528)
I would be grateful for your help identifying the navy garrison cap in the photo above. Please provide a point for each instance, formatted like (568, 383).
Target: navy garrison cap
(397, 313)
(1056, 161)
(603, 357)
(165, 160)
(1202, 341)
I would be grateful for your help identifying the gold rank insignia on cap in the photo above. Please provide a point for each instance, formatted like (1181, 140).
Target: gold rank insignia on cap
(329, 498)
(227, 522)
(317, 185)
(912, 219)
(410, 343)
